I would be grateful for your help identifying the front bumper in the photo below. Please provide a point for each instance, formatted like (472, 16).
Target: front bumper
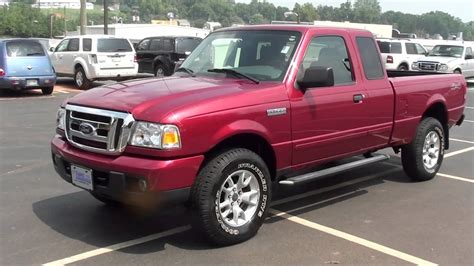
(117, 178)
(20, 83)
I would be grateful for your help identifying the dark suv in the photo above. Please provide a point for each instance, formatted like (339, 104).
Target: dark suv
(159, 55)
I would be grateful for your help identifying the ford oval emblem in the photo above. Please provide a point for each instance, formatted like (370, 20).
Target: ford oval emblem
(87, 129)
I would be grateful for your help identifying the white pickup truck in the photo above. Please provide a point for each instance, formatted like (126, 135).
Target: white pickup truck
(448, 59)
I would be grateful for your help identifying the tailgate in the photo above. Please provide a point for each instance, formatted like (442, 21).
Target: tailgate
(116, 60)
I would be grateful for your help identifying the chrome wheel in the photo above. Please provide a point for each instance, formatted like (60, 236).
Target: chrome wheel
(238, 198)
(79, 78)
(431, 150)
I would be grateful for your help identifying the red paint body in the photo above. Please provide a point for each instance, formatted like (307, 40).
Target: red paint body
(320, 125)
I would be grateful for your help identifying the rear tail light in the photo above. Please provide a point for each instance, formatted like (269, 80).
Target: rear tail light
(135, 58)
(93, 58)
(389, 59)
(2, 72)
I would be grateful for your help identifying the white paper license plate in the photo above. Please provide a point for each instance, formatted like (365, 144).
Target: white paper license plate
(31, 82)
(82, 177)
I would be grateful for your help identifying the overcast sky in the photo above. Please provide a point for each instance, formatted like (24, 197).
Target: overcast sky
(463, 9)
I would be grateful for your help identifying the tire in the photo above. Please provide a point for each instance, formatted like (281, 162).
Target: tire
(107, 201)
(160, 71)
(429, 138)
(402, 68)
(81, 80)
(47, 90)
(249, 201)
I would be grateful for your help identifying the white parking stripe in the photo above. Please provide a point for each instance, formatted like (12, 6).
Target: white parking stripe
(456, 177)
(355, 239)
(461, 140)
(118, 246)
(447, 155)
(470, 121)
(468, 107)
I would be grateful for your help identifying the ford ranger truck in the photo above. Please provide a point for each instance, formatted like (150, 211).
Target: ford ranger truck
(251, 107)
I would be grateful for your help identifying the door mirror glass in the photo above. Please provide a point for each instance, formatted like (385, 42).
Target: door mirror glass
(317, 76)
(468, 56)
(51, 49)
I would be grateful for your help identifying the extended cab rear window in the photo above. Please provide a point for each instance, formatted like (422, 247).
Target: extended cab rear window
(24, 49)
(370, 58)
(113, 45)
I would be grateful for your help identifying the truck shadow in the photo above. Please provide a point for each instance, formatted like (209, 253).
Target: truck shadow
(78, 216)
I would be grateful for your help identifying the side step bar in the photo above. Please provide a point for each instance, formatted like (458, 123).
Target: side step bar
(296, 180)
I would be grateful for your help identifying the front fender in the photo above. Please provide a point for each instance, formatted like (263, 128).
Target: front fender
(240, 127)
(84, 65)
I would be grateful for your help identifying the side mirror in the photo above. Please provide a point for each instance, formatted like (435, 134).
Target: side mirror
(426, 54)
(316, 76)
(51, 49)
(468, 56)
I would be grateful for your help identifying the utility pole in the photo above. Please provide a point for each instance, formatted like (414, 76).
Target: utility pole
(83, 17)
(106, 18)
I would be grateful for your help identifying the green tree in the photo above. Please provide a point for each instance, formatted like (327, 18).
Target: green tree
(367, 11)
(257, 19)
(307, 12)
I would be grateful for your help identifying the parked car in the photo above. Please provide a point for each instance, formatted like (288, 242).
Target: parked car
(88, 58)
(445, 58)
(251, 108)
(25, 65)
(399, 54)
(160, 55)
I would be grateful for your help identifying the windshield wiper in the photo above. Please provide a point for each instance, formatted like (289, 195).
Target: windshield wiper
(187, 70)
(234, 72)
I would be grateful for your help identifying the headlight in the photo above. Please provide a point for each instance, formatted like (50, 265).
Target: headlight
(443, 67)
(414, 66)
(157, 136)
(61, 119)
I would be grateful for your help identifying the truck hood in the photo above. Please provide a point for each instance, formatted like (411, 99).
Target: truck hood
(439, 59)
(151, 99)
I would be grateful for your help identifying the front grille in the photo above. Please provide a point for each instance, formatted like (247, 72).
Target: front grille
(428, 66)
(98, 130)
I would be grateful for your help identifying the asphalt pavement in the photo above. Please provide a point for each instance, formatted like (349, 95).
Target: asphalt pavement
(373, 215)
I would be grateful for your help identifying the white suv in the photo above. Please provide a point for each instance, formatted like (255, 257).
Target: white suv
(399, 54)
(94, 57)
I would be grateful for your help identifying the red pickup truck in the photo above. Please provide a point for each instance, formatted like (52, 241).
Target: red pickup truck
(251, 107)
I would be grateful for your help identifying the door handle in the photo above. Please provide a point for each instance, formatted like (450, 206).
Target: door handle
(358, 98)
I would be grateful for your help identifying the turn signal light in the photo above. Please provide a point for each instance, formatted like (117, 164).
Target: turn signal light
(389, 59)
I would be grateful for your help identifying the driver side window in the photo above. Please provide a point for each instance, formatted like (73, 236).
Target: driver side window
(329, 51)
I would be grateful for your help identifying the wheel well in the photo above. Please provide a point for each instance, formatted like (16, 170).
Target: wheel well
(404, 64)
(458, 69)
(78, 66)
(250, 141)
(439, 112)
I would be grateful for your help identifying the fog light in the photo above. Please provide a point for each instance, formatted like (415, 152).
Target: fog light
(15, 82)
(142, 185)
(47, 81)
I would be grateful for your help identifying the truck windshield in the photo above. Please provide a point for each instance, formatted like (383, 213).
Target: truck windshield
(262, 55)
(447, 50)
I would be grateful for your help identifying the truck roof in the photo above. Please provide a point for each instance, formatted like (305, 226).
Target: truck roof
(292, 27)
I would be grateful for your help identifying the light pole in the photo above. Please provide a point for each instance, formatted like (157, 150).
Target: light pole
(291, 13)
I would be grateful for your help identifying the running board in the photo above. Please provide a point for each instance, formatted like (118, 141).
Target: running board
(296, 180)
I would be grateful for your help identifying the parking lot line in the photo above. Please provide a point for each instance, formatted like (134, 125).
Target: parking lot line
(468, 107)
(118, 246)
(470, 121)
(456, 177)
(355, 239)
(461, 140)
(447, 155)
